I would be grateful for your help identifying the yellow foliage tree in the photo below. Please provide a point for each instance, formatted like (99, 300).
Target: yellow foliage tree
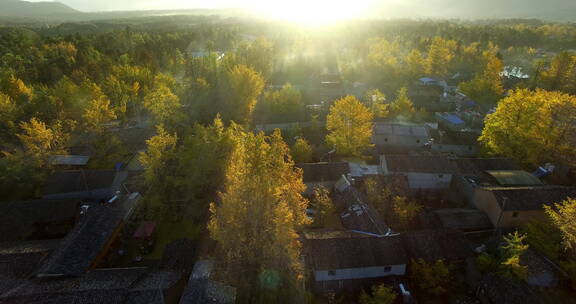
(350, 125)
(40, 140)
(416, 65)
(376, 101)
(486, 87)
(8, 111)
(432, 278)
(244, 86)
(533, 127)
(402, 106)
(259, 213)
(158, 152)
(380, 295)
(163, 104)
(17, 89)
(405, 211)
(301, 151)
(440, 55)
(98, 113)
(562, 216)
(322, 204)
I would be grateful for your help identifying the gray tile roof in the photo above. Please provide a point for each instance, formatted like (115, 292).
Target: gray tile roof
(418, 164)
(72, 181)
(476, 166)
(323, 172)
(357, 252)
(203, 291)
(464, 219)
(354, 252)
(88, 237)
(126, 285)
(23, 215)
(19, 260)
(531, 198)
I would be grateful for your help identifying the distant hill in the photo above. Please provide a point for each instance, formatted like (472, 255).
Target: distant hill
(18, 8)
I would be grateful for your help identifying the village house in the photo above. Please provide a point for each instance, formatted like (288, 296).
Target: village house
(37, 219)
(463, 143)
(425, 172)
(19, 260)
(69, 160)
(471, 174)
(463, 219)
(344, 261)
(322, 174)
(84, 184)
(397, 135)
(508, 207)
(121, 285)
(88, 244)
(201, 289)
(359, 216)
(449, 121)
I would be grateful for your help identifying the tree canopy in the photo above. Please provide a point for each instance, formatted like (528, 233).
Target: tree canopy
(350, 125)
(258, 214)
(533, 127)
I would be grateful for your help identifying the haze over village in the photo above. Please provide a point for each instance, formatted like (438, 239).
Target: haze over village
(322, 152)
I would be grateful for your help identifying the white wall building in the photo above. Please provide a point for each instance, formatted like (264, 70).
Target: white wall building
(427, 172)
(400, 135)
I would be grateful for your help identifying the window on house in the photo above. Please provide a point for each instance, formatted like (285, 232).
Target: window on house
(417, 141)
(387, 268)
(331, 272)
(515, 214)
(385, 139)
(440, 175)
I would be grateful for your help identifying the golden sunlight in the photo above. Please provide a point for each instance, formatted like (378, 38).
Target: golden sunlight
(313, 12)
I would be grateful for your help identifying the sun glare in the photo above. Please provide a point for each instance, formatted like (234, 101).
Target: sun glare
(313, 12)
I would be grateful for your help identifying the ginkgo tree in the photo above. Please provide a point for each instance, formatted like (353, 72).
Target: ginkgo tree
(533, 127)
(40, 140)
(257, 216)
(350, 125)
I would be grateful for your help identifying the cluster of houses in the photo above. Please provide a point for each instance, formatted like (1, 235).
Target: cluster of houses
(491, 194)
(61, 248)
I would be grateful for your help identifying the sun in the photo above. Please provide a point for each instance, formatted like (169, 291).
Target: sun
(313, 12)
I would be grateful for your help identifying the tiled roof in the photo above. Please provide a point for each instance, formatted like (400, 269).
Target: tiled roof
(81, 180)
(418, 164)
(476, 166)
(360, 216)
(19, 260)
(499, 289)
(201, 289)
(86, 240)
(354, 252)
(464, 219)
(432, 245)
(531, 198)
(400, 129)
(323, 172)
(71, 160)
(126, 285)
(358, 252)
(22, 215)
(514, 178)
(204, 291)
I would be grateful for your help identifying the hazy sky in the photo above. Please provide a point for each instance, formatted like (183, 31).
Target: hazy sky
(307, 10)
(103, 5)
